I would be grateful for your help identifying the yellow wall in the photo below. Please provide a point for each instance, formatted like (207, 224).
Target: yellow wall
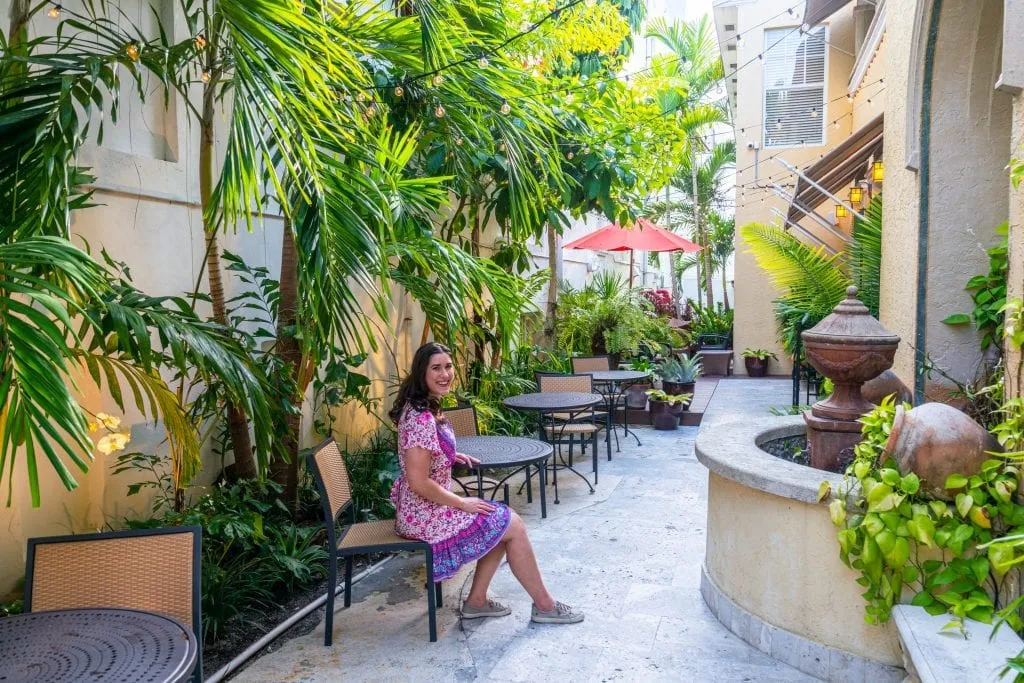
(755, 324)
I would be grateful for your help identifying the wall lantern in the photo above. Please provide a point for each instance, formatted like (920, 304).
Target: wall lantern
(856, 195)
(877, 172)
(841, 211)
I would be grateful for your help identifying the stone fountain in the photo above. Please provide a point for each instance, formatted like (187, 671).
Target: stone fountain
(849, 347)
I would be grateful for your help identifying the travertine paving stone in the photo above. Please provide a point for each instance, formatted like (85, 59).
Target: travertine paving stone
(628, 555)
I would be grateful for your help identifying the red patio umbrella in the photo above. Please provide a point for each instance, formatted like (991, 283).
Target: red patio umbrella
(643, 236)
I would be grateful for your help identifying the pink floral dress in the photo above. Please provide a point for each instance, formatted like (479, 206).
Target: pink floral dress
(455, 536)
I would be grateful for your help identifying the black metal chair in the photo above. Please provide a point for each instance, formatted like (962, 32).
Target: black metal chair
(358, 538)
(153, 570)
(583, 423)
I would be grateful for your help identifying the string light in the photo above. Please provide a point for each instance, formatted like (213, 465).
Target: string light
(790, 12)
(200, 41)
(360, 97)
(206, 77)
(399, 91)
(133, 51)
(849, 97)
(835, 124)
(483, 62)
(439, 111)
(570, 156)
(458, 141)
(438, 79)
(778, 124)
(814, 112)
(760, 58)
(804, 28)
(739, 40)
(870, 103)
(506, 108)
(371, 110)
(54, 11)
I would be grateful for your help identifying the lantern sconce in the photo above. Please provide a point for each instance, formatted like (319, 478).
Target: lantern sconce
(841, 211)
(856, 195)
(877, 172)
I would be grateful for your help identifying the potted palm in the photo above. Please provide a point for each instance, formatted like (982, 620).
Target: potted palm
(756, 361)
(679, 374)
(667, 408)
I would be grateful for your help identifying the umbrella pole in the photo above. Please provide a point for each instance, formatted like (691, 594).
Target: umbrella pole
(631, 252)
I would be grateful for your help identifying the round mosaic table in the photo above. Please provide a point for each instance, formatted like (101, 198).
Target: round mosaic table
(612, 385)
(516, 452)
(96, 645)
(547, 402)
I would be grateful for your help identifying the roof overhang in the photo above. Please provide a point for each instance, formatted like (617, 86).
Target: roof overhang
(847, 163)
(726, 16)
(816, 11)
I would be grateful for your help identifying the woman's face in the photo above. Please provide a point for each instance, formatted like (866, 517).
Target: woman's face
(440, 374)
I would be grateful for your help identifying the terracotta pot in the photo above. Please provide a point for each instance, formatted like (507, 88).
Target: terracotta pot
(635, 396)
(676, 388)
(935, 440)
(756, 367)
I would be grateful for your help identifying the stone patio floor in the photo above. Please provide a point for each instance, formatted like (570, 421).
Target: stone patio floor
(628, 555)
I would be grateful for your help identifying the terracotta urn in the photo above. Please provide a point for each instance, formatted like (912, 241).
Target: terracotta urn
(850, 348)
(935, 440)
(886, 384)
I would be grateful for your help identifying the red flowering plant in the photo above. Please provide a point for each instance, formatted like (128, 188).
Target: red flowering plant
(661, 299)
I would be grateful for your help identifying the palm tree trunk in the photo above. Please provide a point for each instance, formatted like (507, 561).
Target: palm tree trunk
(285, 471)
(702, 238)
(725, 289)
(238, 424)
(554, 277)
(19, 14)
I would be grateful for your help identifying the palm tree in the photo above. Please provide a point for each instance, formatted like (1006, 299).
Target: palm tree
(697, 61)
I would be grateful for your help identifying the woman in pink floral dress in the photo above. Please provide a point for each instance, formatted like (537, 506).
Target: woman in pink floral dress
(459, 530)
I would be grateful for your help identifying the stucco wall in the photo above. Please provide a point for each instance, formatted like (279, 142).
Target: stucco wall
(799, 583)
(755, 325)
(899, 221)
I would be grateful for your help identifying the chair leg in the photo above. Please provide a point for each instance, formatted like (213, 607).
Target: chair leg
(431, 596)
(506, 494)
(439, 594)
(348, 581)
(332, 587)
(594, 449)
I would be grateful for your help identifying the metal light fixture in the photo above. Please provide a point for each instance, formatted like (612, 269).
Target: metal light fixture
(841, 211)
(877, 172)
(856, 195)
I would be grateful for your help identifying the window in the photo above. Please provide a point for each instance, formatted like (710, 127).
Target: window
(794, 87)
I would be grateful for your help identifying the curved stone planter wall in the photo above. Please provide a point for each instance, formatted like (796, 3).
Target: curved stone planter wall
(772, 573)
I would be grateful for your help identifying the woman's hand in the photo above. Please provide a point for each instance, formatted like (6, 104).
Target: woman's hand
(476, 506)
(466, 460)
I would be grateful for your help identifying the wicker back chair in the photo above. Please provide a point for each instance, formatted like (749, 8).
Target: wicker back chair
(153, 570)
(549, 382)
(584, 424)
(591, 364)
(462, 420)
(362, 538)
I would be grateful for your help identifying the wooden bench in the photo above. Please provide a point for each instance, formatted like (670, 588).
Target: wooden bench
(934, 655)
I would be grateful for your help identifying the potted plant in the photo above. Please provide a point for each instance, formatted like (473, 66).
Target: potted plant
(636, 396)
(756, 361)
(667, 408)
(679, 374)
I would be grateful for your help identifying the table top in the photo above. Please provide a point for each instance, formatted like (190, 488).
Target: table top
(96, 644)
(553, 400)
(618, 375)
(503, 451)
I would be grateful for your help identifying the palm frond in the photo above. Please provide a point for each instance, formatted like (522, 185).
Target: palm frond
(864, 255)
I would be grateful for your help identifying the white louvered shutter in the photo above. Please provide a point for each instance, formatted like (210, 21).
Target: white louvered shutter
(794, 87)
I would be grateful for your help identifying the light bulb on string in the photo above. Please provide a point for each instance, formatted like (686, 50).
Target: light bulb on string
(438, 79)
(371, 110)
(506, 108)
(200, 41)
(790, 12)
(835, 124)
(870, 102)
(849, 97)
(133, 51)
(805, 27)
(206, 77)
(739, 40)
(483, 62)
(54, 11)
(458, 141)
(439, 111)
(399, 91)
(570, 156)
(760, 58)
(360, 97)
(778, 124)
(814, 112)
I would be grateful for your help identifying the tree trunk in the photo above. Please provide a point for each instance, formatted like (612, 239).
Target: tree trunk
(725, 288)
(19, 15)
(238, 424)
(705, 255)
(286, 471)
(677, 288)
(554, 277)
(478, 347)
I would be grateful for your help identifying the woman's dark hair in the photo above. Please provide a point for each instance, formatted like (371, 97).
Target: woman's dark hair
(413, 391)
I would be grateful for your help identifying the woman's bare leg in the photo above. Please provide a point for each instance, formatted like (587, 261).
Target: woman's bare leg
(486, 566)
(523, 564)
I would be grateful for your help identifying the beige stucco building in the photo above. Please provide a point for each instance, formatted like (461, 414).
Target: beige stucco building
(946, 78)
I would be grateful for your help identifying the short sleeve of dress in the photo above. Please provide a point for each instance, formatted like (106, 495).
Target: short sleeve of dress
(418, 429)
